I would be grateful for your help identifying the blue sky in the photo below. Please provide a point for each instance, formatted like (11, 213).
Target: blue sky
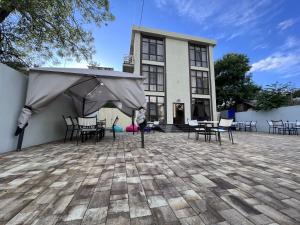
(268, 31)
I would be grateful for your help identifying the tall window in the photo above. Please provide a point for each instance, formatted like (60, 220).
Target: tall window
(201, 109)
(153, 49)
(155, 108)
(198, 55)
(154, 77)
(199, 82)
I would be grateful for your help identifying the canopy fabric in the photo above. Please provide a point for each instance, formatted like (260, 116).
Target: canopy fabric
(89, 89)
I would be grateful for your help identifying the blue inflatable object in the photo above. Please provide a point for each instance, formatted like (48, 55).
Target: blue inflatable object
(118, 128)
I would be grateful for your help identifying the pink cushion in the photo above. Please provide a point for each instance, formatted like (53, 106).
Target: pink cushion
(131, 128)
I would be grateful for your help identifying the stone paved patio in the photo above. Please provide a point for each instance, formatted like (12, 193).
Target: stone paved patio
(174, 180)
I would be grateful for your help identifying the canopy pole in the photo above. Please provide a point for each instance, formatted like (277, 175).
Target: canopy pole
(113, 128)
(132, 121)
(142, 137)
(20, 138)
(83, 107)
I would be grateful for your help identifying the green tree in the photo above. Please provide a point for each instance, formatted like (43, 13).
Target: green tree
(296, 93)
(233, 82)
(33, 31)
(273, 96)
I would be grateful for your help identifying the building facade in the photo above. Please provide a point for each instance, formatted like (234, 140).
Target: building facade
(179, 74)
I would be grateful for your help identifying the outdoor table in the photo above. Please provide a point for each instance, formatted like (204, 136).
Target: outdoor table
(208, 124)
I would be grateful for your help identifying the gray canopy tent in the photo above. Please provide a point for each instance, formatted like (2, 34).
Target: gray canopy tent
(90, 89)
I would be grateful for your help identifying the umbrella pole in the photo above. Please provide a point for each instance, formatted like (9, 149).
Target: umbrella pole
(132, 121)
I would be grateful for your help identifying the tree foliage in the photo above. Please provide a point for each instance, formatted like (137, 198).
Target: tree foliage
(33, 31)
(273, 96)
(296, 93)
(233, 82)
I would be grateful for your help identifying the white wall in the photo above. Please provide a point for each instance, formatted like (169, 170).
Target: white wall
(288, 113)
(43, 127)
(110, 115)
(137, 53)
(177, 76)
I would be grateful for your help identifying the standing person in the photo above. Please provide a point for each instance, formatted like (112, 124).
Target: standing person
(142, 122)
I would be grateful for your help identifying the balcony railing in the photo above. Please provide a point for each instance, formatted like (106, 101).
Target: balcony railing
(128, 59)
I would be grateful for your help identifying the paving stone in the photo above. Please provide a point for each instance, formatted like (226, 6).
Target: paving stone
(118, 206)
(275, 215)
(145, 220)
(164, 215)
(139, 209)
(118, 218)
(75, 213)
(195, 220)
(233, 217)
(95, 216)
(173, 180)
(157, 201)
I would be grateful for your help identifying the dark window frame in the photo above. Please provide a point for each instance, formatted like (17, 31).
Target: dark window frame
(155, 74)
(152, 41)
(204, 90)
(197, 59)
(156, 117)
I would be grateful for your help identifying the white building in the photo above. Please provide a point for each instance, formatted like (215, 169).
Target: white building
(179, 71)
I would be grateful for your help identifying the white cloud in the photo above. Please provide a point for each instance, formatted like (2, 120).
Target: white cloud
(261, 46)
(285, 62)
(286, 24)
(235, 17)
(160, 3)
(291, 42)
(275, 62)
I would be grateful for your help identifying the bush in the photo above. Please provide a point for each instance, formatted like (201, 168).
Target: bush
(273, 96)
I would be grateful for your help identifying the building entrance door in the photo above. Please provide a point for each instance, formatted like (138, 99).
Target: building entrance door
(178, 109)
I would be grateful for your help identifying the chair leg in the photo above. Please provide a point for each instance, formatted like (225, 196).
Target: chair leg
(231, 136)
(72, 132)
(77, 137)
(219, 137)
(66, 135)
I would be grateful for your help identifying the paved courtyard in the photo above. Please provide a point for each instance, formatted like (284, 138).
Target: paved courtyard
(174, 180)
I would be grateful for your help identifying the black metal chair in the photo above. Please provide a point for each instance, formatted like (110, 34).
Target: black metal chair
(87, 126)
(247, 125)
(279, 125)
(253, 125)
(271, 127)
(290, 127)
(75, 126)
(224, 126)
(69, 127)
(297, 127)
